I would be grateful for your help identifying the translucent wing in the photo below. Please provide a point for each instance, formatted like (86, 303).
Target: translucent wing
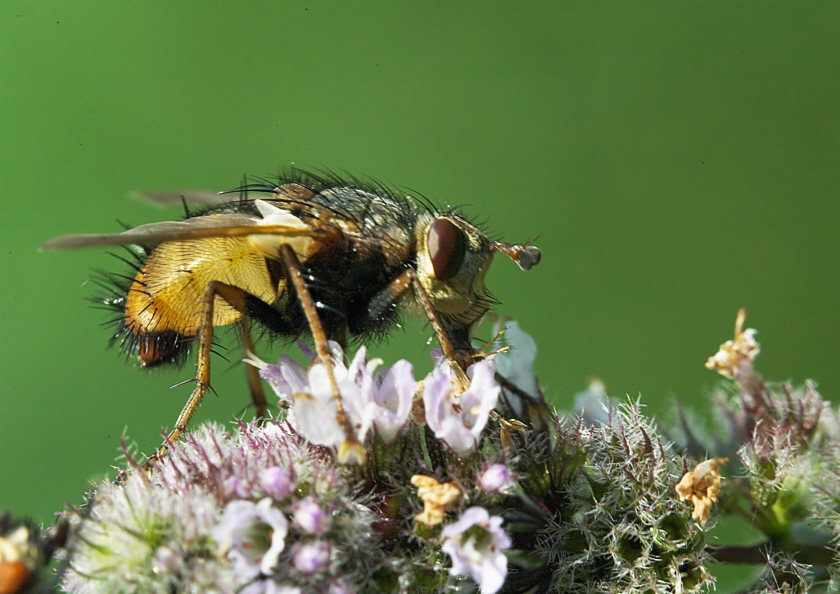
(291, 191)
(217, 225)
(190, 197)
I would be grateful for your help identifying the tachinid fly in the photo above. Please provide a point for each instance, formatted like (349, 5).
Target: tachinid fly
(308, 253)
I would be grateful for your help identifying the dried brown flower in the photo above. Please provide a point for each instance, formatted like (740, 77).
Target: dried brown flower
(437, 498)
(701, 487)
(735, 357)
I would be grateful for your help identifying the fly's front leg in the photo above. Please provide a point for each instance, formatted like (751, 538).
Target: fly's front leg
(387, 299)
(250, 307)
(351, 451)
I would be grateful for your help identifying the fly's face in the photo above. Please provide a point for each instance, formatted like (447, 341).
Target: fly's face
(452, 261)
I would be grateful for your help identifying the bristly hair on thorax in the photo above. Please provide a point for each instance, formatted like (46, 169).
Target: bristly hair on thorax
(407, 205)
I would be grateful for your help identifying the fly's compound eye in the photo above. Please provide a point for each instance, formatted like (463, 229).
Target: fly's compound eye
(447, 247)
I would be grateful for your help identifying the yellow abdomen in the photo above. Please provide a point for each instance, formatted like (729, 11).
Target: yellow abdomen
(168, 292)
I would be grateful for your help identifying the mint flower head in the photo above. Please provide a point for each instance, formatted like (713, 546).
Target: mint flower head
(464, 487)
(181, 526)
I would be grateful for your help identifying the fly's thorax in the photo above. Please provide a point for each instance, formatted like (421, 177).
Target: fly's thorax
(373, 223)
(453, 257)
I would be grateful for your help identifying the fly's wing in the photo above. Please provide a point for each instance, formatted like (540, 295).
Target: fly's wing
(189, 197)
(322, 215)
(290, 192)
(217, 225)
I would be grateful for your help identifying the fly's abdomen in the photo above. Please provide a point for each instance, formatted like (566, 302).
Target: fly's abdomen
(164, 305)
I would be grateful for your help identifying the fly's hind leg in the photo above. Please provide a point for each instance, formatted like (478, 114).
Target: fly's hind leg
(202, 371)
(254, 382)
(250, 307)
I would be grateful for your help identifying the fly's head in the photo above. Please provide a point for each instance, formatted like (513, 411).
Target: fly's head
(453, 257)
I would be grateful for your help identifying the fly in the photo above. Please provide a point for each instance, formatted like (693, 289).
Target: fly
(309, 254)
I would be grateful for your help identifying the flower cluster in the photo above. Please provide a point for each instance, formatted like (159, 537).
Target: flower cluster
(266, 508)
(783, 447)
(381, 399)
(257, 510)
(602, 513)
(462, 486)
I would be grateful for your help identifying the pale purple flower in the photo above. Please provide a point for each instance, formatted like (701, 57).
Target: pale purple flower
(458, 420)
(311, 517)
(315, 411)
(252, 535)
(311, 557)
(236, 488)
(314, 417)
(287, 377)
(370, 400)
(277, 482)
(391, 397)
(496, 479)
(475, 543)
(517, 364)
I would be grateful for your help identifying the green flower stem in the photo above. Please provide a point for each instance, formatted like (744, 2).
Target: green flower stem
(762, 517)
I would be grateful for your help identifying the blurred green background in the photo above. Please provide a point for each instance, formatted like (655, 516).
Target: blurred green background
(678, 160)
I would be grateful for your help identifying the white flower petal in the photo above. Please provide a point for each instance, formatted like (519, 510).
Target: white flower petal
(315, 420)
